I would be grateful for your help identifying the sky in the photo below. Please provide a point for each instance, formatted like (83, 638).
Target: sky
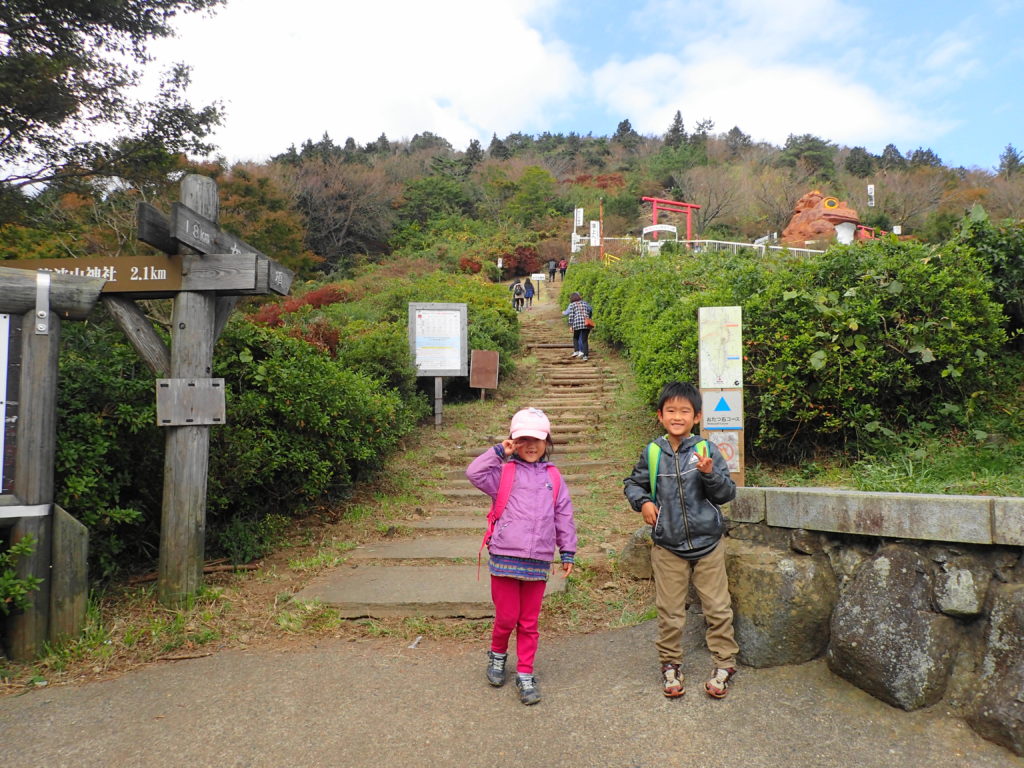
(942, 75)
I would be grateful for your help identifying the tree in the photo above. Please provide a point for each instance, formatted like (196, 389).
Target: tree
(1010, 162)
(811, 156)
(534, 197)
(924, 157)
(626, 136)
(431, 197)
(676, 134)
(474, 153)
(737, 141)
(497, 149)
(67, 69)
(860, 162)
(891, 158)
(429, 141)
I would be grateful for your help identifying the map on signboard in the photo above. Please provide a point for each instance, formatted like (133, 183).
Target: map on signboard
(721, 347)
(438, 340)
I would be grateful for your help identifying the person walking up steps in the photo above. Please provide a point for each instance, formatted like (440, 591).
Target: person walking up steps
(562, 266)
(528, 293)
(535, 514)
(580, 314)
(677, 485)
(518, 295)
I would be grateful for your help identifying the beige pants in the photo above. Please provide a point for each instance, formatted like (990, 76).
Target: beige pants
(672, 575)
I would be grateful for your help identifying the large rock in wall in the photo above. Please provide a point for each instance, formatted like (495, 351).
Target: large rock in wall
(998, 711)
(782, 602)
(886, 639)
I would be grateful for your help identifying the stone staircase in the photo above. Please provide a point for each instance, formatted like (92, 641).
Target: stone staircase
(434, 572)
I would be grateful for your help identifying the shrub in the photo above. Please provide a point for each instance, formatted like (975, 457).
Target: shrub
(864, 338)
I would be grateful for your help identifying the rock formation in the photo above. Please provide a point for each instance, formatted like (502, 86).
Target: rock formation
(815, 219)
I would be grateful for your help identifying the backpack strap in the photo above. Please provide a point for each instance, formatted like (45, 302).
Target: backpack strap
(508, 474)
(653, 462)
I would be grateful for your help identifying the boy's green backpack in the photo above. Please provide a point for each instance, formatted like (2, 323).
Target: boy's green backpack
(654, 461)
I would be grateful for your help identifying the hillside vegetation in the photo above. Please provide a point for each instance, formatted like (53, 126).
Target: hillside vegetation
(857, 361)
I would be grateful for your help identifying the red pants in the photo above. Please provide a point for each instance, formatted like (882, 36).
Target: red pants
(516, 606)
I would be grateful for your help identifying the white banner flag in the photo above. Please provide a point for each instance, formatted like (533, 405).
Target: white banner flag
(579, 217)
(595, 233)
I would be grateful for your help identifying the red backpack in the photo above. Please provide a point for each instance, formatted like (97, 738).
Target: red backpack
(508, 474)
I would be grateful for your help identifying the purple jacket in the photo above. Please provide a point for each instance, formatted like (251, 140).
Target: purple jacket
(532, 523)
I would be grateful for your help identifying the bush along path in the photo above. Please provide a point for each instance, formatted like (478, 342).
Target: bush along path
(434, 572)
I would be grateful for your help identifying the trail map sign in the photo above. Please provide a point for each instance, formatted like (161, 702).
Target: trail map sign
(721, 347)
(720, 330)
(438, 338)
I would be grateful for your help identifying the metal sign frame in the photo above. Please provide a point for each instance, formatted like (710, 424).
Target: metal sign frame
(438, 339)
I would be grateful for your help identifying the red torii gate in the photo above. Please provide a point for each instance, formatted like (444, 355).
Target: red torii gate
(673, 206)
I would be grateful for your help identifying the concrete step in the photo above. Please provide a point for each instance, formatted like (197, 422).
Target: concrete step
(436, 591)
(456, 548)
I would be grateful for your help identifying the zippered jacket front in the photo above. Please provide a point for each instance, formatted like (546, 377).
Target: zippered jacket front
(690, 521)
(533, 522)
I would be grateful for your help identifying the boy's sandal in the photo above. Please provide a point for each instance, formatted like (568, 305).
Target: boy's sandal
(672, 679)
(718, 686)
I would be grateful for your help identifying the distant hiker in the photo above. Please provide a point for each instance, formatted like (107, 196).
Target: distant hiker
(535, 514)
(580, 314)
(678, 486)
(518, 295)
(528, 292)
(552, 266)
(562, 266)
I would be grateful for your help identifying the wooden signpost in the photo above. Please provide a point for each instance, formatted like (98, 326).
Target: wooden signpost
(205, 271)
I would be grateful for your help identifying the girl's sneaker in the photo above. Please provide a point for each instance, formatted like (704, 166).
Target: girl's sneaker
(529, 693)
(496, 668)
(718, 686)
(672, 679)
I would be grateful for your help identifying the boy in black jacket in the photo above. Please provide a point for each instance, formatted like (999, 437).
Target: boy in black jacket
(690, 480)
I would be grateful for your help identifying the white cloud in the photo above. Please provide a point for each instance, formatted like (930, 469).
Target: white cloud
(768, 100)
(457, 68)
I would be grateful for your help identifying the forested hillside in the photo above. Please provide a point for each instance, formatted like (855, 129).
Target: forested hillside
(328, 207)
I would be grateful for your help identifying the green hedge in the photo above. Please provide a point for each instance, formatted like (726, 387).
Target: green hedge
(864, 338)
(315, 398)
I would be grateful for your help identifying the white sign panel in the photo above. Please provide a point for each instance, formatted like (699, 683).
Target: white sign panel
(577, 243)
(660, 228)
(871, 195)
(728, 444)
(595, 233)
(723, 409)
(5, 336)
(437, 339)
(578, 221)
(721, 347)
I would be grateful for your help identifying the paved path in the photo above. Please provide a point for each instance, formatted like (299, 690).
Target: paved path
(372, 704)
(434, 572)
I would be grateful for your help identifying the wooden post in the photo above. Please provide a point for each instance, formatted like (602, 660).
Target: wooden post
(33, 477)
(186, 460)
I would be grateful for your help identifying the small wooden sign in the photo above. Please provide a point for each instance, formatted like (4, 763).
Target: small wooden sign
(203, 235)
(483, 369)
(157, 272)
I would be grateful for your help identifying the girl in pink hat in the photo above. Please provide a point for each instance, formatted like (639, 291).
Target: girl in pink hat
(535, 516)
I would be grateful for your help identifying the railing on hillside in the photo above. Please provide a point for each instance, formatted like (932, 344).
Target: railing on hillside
(617, 248)
(713, 246)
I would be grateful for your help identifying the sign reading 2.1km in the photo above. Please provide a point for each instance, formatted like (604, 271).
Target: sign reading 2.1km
(721, 347)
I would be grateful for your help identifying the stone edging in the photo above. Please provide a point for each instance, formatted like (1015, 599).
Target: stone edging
(931, 517)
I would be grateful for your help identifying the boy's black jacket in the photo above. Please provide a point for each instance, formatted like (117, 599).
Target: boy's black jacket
(690, 521)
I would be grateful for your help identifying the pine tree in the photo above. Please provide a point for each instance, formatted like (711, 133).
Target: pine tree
(1010, 162)
(497, 149)
(676, 134)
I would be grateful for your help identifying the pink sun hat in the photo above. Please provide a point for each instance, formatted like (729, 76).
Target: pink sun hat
(530, 422)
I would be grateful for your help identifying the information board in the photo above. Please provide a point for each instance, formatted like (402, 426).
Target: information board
(438, 339)
(721, 347)
(10, 376)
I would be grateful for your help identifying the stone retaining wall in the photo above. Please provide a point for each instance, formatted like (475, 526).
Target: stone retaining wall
(914, 598)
